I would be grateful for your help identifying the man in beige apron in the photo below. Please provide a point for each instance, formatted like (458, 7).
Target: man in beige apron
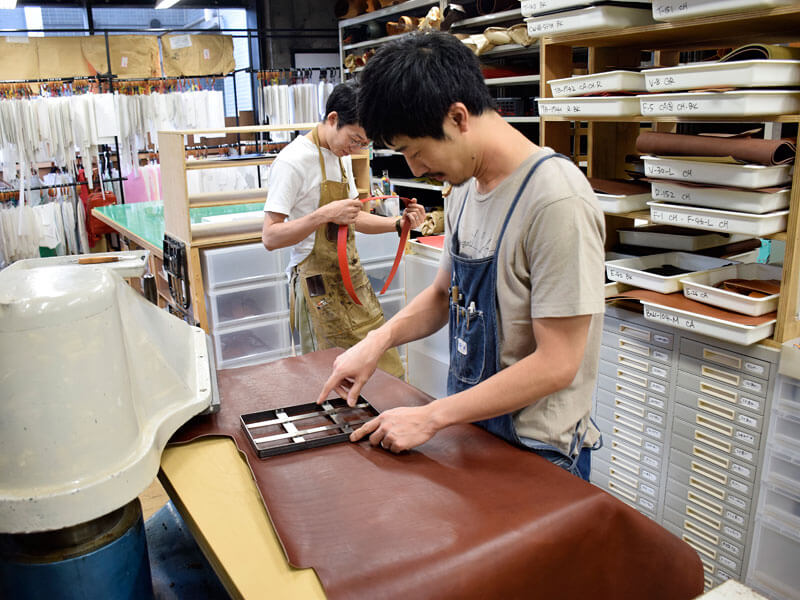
(304, 210)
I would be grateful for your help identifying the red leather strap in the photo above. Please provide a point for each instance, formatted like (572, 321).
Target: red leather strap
(341, 251)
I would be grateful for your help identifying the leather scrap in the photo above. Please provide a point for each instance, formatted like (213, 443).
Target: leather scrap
(464, 516)
(744, 149)
(761, 52)
(618, 187)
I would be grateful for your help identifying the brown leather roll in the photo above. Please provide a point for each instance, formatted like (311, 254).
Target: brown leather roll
(745, 149)
(486, 7)
(464, 516)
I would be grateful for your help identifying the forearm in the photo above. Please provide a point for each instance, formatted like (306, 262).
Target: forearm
(288, 233)
(369, 223)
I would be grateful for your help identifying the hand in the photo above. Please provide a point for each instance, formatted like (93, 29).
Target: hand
(342, 212)
(352, 369)
(414, 213)
(398, 429)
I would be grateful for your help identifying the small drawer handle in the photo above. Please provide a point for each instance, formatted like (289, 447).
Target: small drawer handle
(627, 361)
(627, 406)
(710, 473)
(714, 425)
(720, 375)
(631, 393)
(718, 392)
(629, 422)
(700, 532)
(630, 377)
(710, 457)
(627, 435)
(721, 358)
(622, 491)
(634, 454)
(618, 461)
(708, 568)
(627, 479)
(707, 504)
(703, 518)
(712, 441)
(709, 489)
(634, 347)
(639, 334)
(702, 549)
(713, 407)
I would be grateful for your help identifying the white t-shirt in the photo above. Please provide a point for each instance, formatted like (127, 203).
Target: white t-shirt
(293, 185)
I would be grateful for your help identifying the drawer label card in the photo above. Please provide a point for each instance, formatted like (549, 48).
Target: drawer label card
(747, 438)
(752, 385)
(653, 432)
(734, 533)
(652, 477)
(732, 516)
(649, 460)
(739, 486)
(647, 504)
(750, 403)
(736, 501)
(617, 274)
(737, 468)
(655, 402)
(658, 355)
(729, 547)
(660, 215)
(749, 421)
(658, 372)
(724, 560)
(662, 339)
(655, 418)
(650, 491)
(657, 387)
(651, 447)
(753, 368)
(743, 454)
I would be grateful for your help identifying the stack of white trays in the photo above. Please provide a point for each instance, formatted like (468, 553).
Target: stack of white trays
(753, 210)
(569, 99)
(554, 17)
(676, 10)
(247, 303)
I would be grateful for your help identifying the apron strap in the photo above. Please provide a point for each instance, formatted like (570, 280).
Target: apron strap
(315, 136)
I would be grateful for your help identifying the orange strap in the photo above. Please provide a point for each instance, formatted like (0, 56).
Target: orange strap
(341, 250)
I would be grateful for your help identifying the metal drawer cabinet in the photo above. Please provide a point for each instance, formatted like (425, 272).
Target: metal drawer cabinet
(743, 383)
(643, 473)
(725, 411)
(759, 367)
(724, 547)
(617, 483)
(722, 392)
(633, 424)
(711, 576)
(637, 363)
(742, 460)
(700, 489)
(616, 341)
(723, 428)
(631, 392)
(634, 377)
(706, 510)
(633, 326)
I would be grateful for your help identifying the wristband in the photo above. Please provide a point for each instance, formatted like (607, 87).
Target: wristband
(398, 225)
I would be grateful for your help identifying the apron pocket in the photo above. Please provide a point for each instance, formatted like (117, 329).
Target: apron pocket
(467, 346)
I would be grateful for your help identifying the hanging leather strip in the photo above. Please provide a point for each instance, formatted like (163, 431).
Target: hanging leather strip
(341, 251)
(464, 516)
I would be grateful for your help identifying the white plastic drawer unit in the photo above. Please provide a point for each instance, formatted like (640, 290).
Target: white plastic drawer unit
(246, 303)
(237, 265)
(391, 304)
(376, 247)
(252, 340)
(773, 564)
(427, 373)
(378, 271)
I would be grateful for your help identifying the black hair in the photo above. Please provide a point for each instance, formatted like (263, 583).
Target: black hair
(407, 88)
(344, 100)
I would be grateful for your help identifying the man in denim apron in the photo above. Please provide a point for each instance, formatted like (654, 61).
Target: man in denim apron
(304, 209)
(520, 283)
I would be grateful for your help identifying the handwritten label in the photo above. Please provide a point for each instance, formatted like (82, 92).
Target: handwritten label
(664, 9)
(180, 41)
(649, 490)
(732, 516)
(657, 387)
(124, 62)
(650, 461)
(618, 275)
(658, 372)
(740, 469)
(578, 88)
(672, 107)
(754, 368)
(652, 477)
(655, 418)
(724, 560)
(647, 504)
(661, 215)
(750, 403)
(694, 293)
(674, 320)
(545, 26)
(662, 356)
(729, 547)
(746, 420)
(651, 447)
(739, 486)
(659, 82)
(206, 54)
(752, 385)
(559, 109)
(737, 501)
(655, 402)
(734, 533)
(655, 433)
(664, 340)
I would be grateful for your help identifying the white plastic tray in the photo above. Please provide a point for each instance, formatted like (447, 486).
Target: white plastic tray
(610, 81)
(700, 287)
(674, 10)
(655, 237)
(751, 177)
(531, 8)
(739, 74)
(595, 106)
(594, 18)
(631, 271)
(716, 328)
(724, 199)
(615, 204)
(721, 104)
(718, 220)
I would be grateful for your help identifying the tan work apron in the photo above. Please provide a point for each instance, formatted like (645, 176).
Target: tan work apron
(337, 320)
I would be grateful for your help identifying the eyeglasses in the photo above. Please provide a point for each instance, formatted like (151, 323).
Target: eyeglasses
(358, 143)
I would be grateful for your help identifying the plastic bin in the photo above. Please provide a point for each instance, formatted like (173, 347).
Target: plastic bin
(391, 304)
(631, 271)
(252, 341)
(241, 304)
(376, 247)
(246, 263)
(745, 176)
(773, 565)
(701, 287)
(610, 81)
(712, 219)
(734, 74)
(377, 272)
(427, 373)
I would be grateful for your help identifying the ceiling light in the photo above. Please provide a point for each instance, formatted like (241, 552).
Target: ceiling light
(8, 4)
(161, 4)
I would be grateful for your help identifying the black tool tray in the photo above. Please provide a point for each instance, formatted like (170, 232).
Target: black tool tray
(282, 430)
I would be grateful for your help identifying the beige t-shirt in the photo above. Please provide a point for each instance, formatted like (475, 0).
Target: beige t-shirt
(550, 264)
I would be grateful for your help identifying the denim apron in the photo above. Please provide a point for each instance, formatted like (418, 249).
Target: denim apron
(474, 343)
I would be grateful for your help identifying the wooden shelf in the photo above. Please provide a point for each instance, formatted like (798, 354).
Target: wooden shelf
(637, 214)
(642, 119)
(516, 80)
(226, 198)
(719, 31)
(499, 17)
(219, 163)
(406, 6)
(521, 119)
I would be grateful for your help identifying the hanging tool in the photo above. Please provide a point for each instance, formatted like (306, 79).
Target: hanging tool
(341, 250)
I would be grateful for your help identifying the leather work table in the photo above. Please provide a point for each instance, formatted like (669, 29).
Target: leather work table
(463, 516)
